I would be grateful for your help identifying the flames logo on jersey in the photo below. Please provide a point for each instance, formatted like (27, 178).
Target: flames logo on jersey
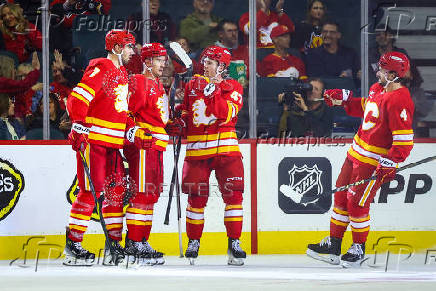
(163, 105)
(200, 117)
(121, 92)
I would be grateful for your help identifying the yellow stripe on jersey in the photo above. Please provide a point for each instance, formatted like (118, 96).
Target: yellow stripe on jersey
(337, 222)
(104, 123)
(360, 219)
(361, 158)
(156, 129)
(339, 211)
(363, 103)
(161, 143)
(105, 138)
(80, 97)
(403, 143)
(229, 112)
(198, 210)
(224, 149)
(139, 211)
(374, 149)
(210, 137)
(403, 131)
(87, 88)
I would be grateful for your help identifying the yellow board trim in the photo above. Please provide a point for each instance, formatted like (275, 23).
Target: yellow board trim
(209, 137)
(87, 88)
(218, 150)
(192, 221)
(269, 242)
(104, 123)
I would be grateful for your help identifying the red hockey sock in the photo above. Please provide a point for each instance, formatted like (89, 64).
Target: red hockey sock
(113, 217)
(194, 222)
(80, 215)
(338, 222)
(138, 216)
(233, 217)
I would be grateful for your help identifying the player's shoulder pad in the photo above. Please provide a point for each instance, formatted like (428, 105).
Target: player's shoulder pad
(100, 62)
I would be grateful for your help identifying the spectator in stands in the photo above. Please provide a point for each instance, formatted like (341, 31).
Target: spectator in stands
(332, 59)
(10, 128)
(281, 63)
(35, 123)
(266, 20)
(308, 32)
(162, 27)
(19, 35)
(23, 100)
(199, 27)
(16, 86)
(228, 38)
(307, 117)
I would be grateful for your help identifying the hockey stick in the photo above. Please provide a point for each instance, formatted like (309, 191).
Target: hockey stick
(408, 166)
(98, 204)
(177, 50)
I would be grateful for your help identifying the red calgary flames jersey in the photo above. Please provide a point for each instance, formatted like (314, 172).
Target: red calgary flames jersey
(100, 100)
(149, 106)
(210, 112)
(386, 129)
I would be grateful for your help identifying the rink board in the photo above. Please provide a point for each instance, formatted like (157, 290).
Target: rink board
(279, 223)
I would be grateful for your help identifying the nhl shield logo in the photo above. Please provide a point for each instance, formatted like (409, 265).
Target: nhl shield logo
(304, 185)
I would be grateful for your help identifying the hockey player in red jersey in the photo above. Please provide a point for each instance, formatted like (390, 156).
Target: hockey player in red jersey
(209, 110)
(98, 109)
(149, 107)
(384, 139)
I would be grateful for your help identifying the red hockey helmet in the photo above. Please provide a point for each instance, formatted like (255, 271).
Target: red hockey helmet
(395, 61)
(150, 50)
(217, 53)
(118, 37)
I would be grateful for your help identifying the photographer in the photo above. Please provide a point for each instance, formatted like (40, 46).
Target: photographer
(304, 111)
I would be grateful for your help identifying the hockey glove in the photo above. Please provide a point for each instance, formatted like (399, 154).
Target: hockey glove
(141, 137)
(336, 97)
(78, 137)
(386, 170)
(176, 127)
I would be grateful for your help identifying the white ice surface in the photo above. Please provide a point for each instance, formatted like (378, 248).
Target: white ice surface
(265, 272)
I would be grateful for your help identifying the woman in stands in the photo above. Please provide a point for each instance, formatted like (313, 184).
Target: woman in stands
(19, 35)
(308, 32)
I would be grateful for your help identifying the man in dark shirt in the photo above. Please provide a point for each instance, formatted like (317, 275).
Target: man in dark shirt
(332, 59)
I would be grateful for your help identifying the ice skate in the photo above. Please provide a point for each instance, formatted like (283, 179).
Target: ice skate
(151, 256)
(328, 250)
(354, 257)
(235, 253)
(117, 257)
(134, 250)
(192, 250)
(76, 255)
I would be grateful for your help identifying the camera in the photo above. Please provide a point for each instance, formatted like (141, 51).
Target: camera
(295, 86)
